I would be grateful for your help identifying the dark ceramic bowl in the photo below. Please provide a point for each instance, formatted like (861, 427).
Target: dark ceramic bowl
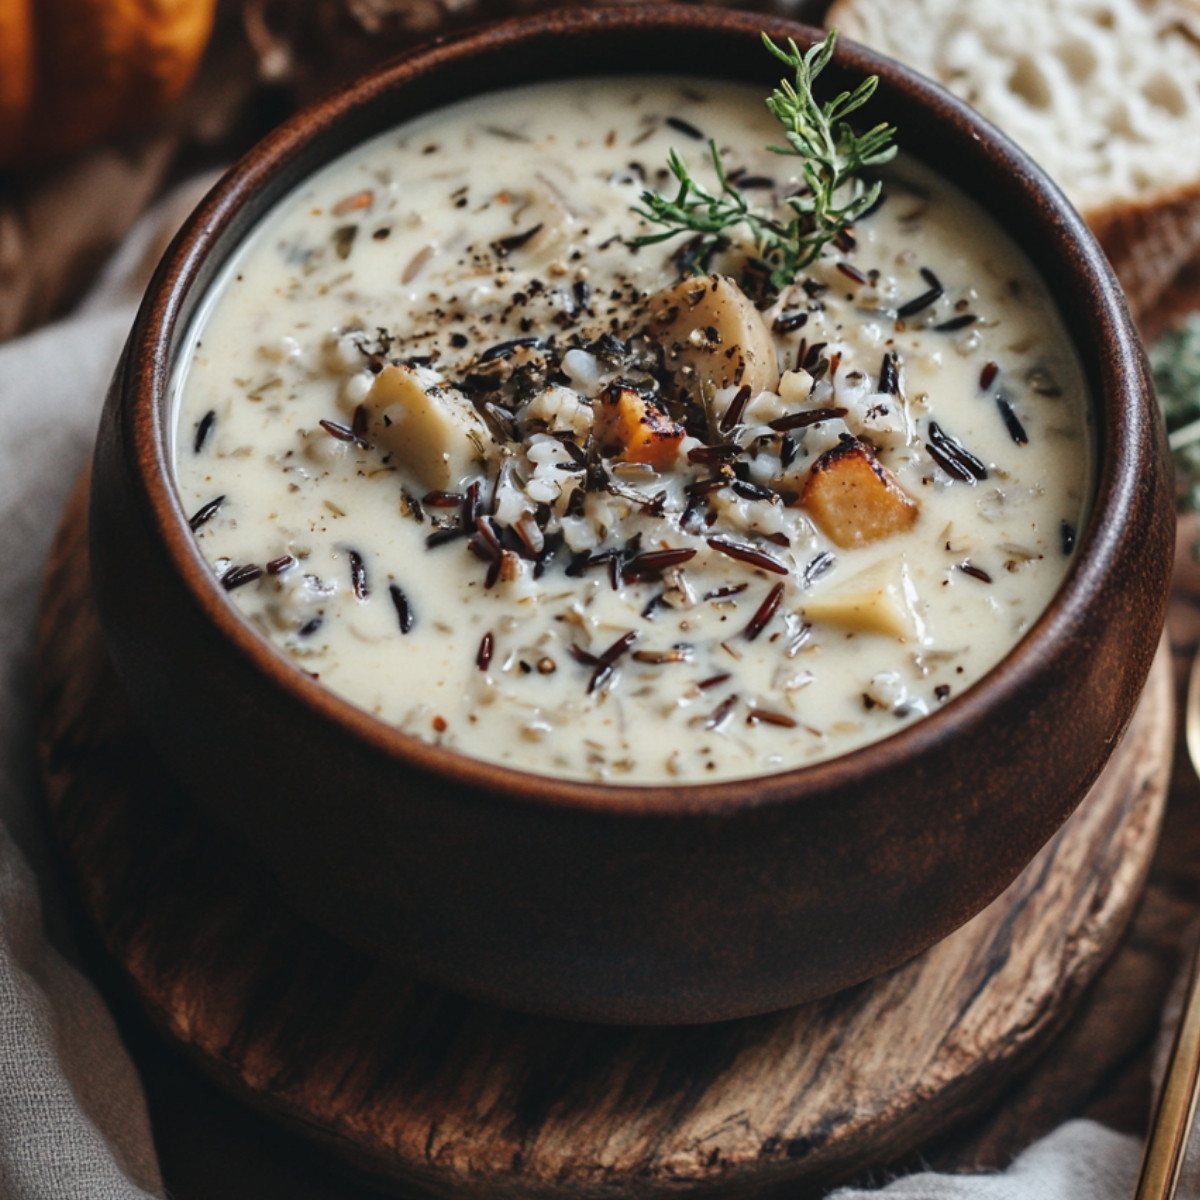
(611, 903)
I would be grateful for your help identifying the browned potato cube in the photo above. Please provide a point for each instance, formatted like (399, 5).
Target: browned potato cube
(633, 428)
(712, 334)
(854, 499)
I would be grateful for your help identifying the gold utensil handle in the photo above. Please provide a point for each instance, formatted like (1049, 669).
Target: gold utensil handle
(1162, 1162)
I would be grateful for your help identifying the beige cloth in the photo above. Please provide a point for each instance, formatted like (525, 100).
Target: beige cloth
(1080, 1160)
(73, 1121)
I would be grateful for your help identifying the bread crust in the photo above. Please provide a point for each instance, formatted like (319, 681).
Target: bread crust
(1149, 235)
(1149, 242)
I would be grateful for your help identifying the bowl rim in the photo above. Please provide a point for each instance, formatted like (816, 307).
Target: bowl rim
(149, 365)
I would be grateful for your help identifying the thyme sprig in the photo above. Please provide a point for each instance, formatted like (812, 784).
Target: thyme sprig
(832, 154)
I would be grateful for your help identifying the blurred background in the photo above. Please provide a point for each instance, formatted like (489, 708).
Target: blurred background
(103, 106)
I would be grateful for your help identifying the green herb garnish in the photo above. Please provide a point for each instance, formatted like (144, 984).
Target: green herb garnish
(1175, 359)
(831, 155)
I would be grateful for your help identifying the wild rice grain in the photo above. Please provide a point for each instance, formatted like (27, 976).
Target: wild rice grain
(924, 300)
(203, 429)
(956, 323)
(737, 406)
(686, 128)
(653, 562)
(764, 716)
(743, 552)
(721, 713)
(789, 322)
(487, 646)
(606, 663)
(766, 610)
(358, 575)
(343, 433)
(506, 245)
(969, 568)
(404, 612)
(802, 420)
(237, 577)
(1012, 422)
(953, 457)
(889, 376)
(205, 514)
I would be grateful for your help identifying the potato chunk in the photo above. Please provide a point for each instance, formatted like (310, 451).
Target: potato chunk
(431, 430)
(854, 499)
(878, 600)
(634, 428)
(711, 333)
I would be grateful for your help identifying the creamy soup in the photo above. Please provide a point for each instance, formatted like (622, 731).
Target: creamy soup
(519, 489)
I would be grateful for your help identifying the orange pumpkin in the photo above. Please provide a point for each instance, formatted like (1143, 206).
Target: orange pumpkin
(72, 71)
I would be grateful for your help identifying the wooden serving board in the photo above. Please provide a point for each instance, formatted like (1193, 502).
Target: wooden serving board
(429, 1094)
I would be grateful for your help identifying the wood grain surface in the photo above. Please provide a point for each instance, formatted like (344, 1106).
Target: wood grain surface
(428, 1094)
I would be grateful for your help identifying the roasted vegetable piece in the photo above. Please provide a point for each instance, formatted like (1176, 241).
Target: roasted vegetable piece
(877, 600)
(431, 430)
(712, 334)
(635, 428)
(853, 498)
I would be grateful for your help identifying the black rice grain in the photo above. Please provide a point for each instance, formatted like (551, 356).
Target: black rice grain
(203, 429)
(358, 575)
(953, 457)
(1012, 422)
(237, 577)
(686, 128)
(404, 612)
(205, 513)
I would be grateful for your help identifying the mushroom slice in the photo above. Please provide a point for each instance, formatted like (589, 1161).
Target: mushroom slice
(712, 334)
(853, 498)
(878, 600)
(635, 428)
(427, 428)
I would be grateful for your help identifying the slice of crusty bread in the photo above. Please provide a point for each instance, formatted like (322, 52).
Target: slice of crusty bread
(1104, 94)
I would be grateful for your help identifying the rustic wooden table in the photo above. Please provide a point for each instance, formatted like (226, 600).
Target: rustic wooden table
(299, 1025)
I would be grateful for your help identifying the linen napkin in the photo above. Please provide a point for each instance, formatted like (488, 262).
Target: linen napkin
(73, 1119)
